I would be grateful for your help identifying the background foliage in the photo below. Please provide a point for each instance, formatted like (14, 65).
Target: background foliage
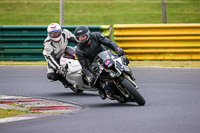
(96, 12)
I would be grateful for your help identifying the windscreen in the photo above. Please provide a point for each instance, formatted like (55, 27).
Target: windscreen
(101, 57)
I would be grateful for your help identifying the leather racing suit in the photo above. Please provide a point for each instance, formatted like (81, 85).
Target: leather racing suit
(87, 52)
(52, 53)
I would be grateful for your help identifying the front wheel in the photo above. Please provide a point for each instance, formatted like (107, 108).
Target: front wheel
(131, 89)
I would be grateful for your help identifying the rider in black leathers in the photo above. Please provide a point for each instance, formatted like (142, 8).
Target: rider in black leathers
(90, 44)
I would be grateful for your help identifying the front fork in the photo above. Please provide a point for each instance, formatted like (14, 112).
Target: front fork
(121, 88)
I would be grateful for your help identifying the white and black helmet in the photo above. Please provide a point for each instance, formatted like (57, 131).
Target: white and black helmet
(82, 34)
(54, 31)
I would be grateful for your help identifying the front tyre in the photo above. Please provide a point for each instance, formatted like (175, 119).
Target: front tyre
(131, 89)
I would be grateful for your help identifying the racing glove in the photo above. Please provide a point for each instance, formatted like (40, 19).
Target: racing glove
(119, 51)
(61, 71)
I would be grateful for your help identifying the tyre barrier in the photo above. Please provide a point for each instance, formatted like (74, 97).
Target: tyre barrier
(159, 41)
(25, 43)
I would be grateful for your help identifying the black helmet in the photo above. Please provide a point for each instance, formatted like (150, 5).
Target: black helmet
(82, 34)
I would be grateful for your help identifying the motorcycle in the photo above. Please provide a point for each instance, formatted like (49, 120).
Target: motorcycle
(109, 69)
(73, 72)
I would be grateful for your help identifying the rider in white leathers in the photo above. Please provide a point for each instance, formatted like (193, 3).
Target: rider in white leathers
(54, 47)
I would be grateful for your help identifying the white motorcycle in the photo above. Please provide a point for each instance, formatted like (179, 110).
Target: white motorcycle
(73, 73)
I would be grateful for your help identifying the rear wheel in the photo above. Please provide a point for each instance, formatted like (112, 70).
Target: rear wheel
(133, 91)
(75, 89)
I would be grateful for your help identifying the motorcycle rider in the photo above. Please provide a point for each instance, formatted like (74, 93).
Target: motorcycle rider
(89, 45)
(54, 46)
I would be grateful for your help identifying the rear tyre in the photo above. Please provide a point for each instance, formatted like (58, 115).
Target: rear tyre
(133, 91)
(75, 89)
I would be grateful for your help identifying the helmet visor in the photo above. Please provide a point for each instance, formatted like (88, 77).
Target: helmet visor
(55, 34)
(82, 38)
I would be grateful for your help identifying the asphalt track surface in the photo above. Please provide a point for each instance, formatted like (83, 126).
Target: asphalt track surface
(172, 96)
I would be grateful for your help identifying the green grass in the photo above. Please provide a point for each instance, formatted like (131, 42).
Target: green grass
(23, 63)
(95, 12)
(4, 113)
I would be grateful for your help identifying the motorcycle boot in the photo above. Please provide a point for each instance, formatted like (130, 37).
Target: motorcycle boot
(109, 91)
(102, 93)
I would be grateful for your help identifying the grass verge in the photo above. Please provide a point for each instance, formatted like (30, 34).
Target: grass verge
(4, 113)
(95, 12)
(193, 64)
(23, 63)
